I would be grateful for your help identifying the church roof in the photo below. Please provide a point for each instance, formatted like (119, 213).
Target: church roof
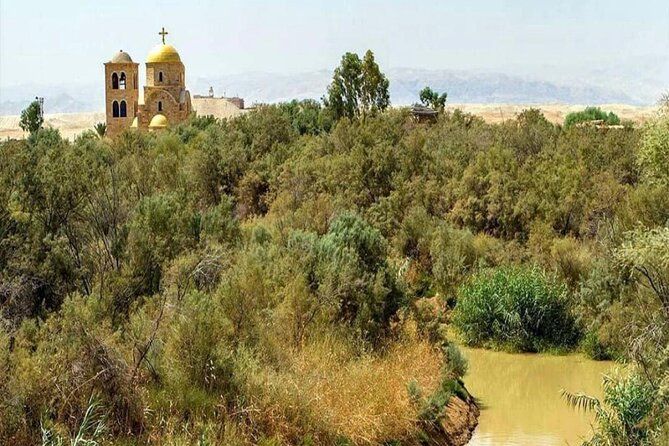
(121, 57)
(158, 122)
(163, 53)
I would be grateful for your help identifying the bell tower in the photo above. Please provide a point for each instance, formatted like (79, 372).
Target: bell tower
(121, 92)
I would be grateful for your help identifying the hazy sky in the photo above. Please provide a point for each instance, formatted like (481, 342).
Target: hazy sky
(48, 42)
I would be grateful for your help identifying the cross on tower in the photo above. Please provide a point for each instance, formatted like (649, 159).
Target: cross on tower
(163, 33)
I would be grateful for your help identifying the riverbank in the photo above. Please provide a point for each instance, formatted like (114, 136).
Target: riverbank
(460, 421)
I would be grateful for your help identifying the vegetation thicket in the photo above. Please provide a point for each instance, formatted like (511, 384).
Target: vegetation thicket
(289, 276)
(517, 308)
(591, 114)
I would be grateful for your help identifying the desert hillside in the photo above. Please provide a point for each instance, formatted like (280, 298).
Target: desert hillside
(71, 124)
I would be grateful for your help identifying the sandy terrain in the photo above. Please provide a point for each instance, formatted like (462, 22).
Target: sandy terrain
(71, 124)
(554, 112)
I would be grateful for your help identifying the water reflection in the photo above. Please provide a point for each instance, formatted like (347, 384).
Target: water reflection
(521, 401)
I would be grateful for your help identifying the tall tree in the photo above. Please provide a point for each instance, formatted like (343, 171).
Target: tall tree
(358, 88)
(374, 86)
(31, 118)
(432, 98)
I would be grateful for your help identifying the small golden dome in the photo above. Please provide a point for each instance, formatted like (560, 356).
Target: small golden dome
(163, 53)
(158, 122)
(121, 57)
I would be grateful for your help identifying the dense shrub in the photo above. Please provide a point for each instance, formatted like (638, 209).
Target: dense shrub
(454, 256)
(517, 308)
(628, 414)
(353, 269)
(249, 281)
(591, 114)
(653, 153)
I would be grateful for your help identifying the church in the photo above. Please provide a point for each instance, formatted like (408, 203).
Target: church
(166, 101)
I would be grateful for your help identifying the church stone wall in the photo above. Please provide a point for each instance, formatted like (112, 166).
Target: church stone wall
(173, 74)
(221, 108)
(171, 108)
(130, 95)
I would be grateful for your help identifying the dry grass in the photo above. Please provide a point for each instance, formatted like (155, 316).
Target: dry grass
(362, 398)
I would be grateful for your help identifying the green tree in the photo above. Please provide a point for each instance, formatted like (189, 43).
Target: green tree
(374, 86)
(31, 118)
(433, 99)
(307, 116)
(358, 88)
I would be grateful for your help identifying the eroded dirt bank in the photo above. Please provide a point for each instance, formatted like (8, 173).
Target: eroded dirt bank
(460, 422)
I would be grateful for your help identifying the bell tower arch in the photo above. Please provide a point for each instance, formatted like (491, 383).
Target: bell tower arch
(121, 92)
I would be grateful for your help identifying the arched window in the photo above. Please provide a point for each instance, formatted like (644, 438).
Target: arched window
(121, 81)
(114, 81)
(160, 76)
(124, 109)
(115, 109)
(160, 105)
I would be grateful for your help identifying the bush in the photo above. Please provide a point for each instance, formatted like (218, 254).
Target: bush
(594, 348)
(627, 416)
(453, 257)
(515, 308)
(653, 152)
(591, 114)
(354, 270)
(456, 363)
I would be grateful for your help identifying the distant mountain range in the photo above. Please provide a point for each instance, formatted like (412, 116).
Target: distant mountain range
(405, 83)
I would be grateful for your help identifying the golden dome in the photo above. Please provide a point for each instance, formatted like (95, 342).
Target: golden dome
(121, 57)
(158, 122)
(163, 53)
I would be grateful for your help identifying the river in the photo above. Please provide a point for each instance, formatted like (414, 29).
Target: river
(520, 398)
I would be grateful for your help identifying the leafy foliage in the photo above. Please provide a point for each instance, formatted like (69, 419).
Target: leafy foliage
(358, 88)
(516, 307)
(432, 98)
(591, 114)
(101, 129)
(627, 416)
(653, 155)
(31, 118)
(280, 277)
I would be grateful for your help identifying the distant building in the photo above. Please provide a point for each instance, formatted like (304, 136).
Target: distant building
(221, 107)
(422, 113)
(165, 101)
(236, 101)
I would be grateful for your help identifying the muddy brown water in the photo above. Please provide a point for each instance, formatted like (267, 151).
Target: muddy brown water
(520, 397)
